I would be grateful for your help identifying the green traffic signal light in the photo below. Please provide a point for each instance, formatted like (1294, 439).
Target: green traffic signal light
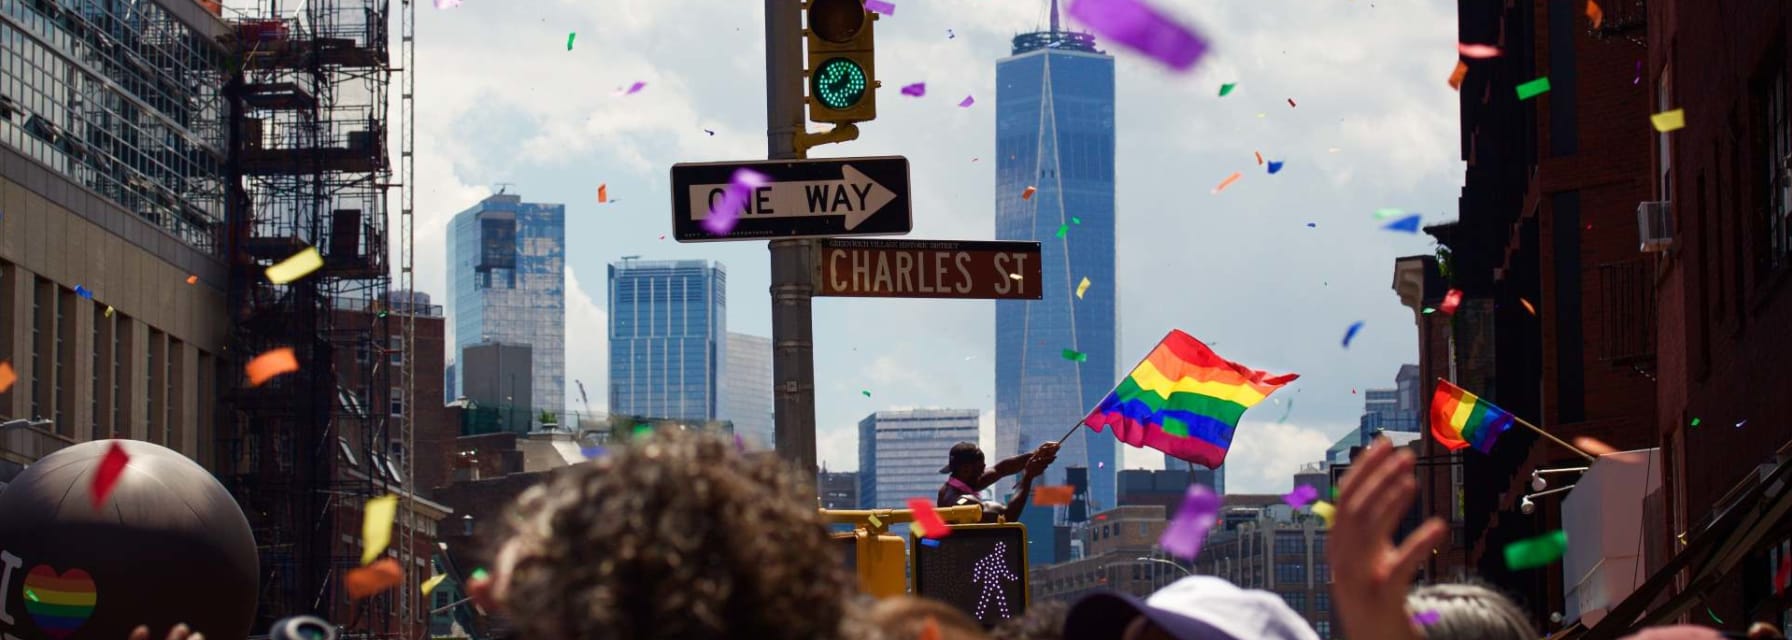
(839, 83)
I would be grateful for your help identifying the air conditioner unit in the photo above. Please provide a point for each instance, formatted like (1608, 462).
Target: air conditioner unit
(1654, 225)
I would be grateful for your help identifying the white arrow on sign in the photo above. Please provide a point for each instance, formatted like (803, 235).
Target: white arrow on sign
(853, 195)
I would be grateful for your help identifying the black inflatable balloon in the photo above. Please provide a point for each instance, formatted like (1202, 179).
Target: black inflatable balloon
(168, 546)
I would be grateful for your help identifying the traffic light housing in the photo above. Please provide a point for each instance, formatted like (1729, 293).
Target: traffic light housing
(842, 73)
(979, 568)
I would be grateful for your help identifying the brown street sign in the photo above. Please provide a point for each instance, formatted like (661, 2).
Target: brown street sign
(928, 269)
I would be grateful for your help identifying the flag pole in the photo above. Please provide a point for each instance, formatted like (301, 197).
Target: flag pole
(1546, 434)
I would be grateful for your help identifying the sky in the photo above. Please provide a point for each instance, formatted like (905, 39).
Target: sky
(1372, 125)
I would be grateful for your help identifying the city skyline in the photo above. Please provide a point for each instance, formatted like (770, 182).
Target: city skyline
(509, 288)
(668, 338)
(901, 453)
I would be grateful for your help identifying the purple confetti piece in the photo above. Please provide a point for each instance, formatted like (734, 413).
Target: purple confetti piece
(1274, 167)
(1426, 618)
(591, 453)
(879, 6)
(1301, 495)
(635, 88)
(1639, 73)
(1350, 334)
(967, 101)
(726, 211)
(447, 4)
(1134, 24)
(917, 89)
(1188, 530)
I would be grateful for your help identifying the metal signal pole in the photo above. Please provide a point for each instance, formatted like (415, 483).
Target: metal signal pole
(793, 325)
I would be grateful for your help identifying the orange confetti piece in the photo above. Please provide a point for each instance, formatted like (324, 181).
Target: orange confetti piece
(1259, 157)
(268, 365)
(7, 377)
(1595, 15)
(1527, 306)
(1028, 193)
(1457, 75)
(192, 279)
(930, 630)
(1593, 446)
(1053, 496)
(603, 193)
(1228, 181)
(364, 582)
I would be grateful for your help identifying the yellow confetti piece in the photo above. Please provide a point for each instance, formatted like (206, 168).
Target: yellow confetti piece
(431, 584)
(298, 266)
(1325, 510)
(1668, 120)
(1082, 288)
(875, 522)
(376, 527)
(110, 311)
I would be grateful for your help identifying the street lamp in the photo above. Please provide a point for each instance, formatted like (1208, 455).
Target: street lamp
(1185, 571)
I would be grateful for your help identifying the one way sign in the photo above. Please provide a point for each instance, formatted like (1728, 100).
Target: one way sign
(801, 198)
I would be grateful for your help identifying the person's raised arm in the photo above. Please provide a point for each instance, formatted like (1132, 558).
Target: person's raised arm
(1370, 576)
(1011, 466)
(1035, 466)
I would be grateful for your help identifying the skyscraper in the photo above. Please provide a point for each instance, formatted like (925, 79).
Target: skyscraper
(901, 452)
(507, 285)
(747, 389)
(668, 338)
(1055, 136)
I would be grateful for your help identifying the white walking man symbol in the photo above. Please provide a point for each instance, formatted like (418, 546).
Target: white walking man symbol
(993, 574)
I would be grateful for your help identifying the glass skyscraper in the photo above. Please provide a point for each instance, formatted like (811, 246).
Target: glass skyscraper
(747, 389)
(507, 285)
(1055, 134)
(901, 452)
(668, 338)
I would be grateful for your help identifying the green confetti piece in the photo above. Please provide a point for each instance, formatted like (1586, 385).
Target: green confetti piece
(1536, 552)
(569, 38)
(1695, 422)
(1713, 615)
(1075, 356)
(1062, 229)
(1383, 214)
(1533, 88)
(31, 595)
(480, 574)
(1428, 311)
(1227, 88)
(643, 430)
(867, 392)
(1076, 221)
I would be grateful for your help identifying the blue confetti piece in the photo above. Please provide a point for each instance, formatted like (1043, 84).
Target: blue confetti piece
(83, 292)
(1409, 224)
(1350, 334)
(930, 542)
(1274, 167)
(1312, 225)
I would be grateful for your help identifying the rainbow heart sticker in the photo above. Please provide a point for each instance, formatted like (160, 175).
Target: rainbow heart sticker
(59, 603)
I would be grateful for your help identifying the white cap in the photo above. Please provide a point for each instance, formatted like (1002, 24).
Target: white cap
(1193, 608)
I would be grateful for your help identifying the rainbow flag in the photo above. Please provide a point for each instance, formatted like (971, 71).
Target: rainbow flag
(1183, 400)
(1460, 419)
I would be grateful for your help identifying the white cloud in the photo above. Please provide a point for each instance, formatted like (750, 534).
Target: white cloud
(1265, 455)
(587, 349)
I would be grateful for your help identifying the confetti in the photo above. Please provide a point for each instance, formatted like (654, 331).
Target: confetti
(1695, 422)
(1457, 75)
(1325, 510)
(434, 581)
(709, 132)
(83, 292)
(1669, 120)
(603, 193)
(1063, 229)
(191, 279)
(967, 101)
(635, 88)
(31, 595)
(1783, 577)
(1533, 88)
(930, 542)
(1350, 334)
(1291, 103)
(301, 264)
(569, 38)
(1228, 182)
(376, 527)
(1082, 288)
(874, 520)
(930, 630)
(1259, 157)
(1527, 306)
(1227, 88)
(1639, 73)
(1593, 446)
(1383, 214)
(110, 311)
(1425, 618)
(1053, 496)
(1595, 15)
(1739, 426)
(726, 211)
(447, 4)
(1477, 51)
(1713, 615)
(106, 478)
(867, 392)
(1137, 25)
(1101, 465)
(1015, 276)
(1452, 299)
(1027, 193)
(950, 35)
(1275, 167)
(1076, 220)
(1536, 552)
(1312, 225)
(7, 376)
(364, 582)
(1301, 496)
(1409, 224)
(1188, 530)
(268, 365)
(879, 6)
(928, 519)
(591, 453)
(1075, 356)
(480, 574)
(915, 90)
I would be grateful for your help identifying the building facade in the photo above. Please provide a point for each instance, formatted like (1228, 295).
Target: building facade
(747, 389)
(1280, 552)
(839, 489)
(668, 338)
(901, 452)
(1114, 550)
(113, 178)
(1055, 141)
(507, 285)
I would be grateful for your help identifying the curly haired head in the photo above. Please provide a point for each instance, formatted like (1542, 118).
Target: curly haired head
(674, 536)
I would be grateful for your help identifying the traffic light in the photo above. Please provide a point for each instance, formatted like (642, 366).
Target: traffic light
(842, 73)
(980, 568)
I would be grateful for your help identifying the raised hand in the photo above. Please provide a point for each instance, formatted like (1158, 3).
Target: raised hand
(1370, 576)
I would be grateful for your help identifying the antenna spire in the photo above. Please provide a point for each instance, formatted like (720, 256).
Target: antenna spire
(1054, 16)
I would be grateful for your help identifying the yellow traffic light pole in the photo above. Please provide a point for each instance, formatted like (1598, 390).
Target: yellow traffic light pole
(882, 559)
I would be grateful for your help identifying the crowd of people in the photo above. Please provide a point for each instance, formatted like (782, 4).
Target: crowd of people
(682, 535)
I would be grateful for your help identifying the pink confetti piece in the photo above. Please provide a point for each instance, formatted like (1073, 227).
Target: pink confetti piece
(1301, 496)
(1188, 530)
(635, 88)
(1452, 299)
(447, 4)
(879, 6)
(727, 210)
(916, 90)
(967, 101)
(1477, 51)
(1141, 27)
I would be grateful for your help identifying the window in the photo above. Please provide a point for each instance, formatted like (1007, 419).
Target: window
(1324, 629)
(1297, 600)
(1664, 157)
(1290, 544)
(1776, 148)
(395, 347)
(1291, 572)
(1322, 572)
(1322, 601)
(397, 397)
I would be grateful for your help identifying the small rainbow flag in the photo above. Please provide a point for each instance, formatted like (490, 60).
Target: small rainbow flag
(1460, 419)
(1184, 400)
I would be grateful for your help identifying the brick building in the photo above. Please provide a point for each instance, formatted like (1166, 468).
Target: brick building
(1114, 550)
(1276, 549)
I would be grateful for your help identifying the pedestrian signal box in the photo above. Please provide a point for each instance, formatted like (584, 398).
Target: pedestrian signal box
(980, 568)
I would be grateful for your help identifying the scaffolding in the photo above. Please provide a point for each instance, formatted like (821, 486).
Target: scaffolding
(311, 167)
